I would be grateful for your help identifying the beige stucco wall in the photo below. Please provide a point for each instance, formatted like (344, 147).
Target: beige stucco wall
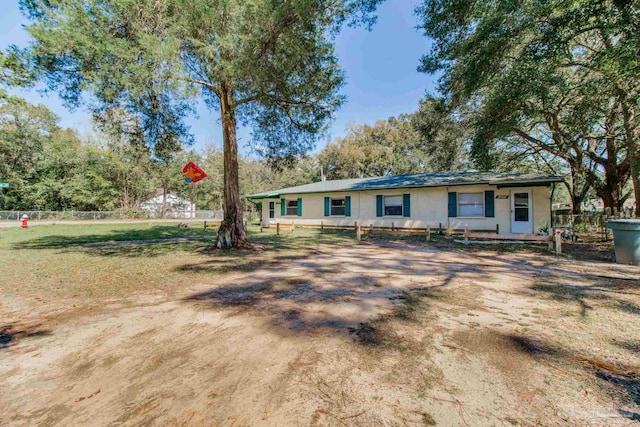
(429, 207)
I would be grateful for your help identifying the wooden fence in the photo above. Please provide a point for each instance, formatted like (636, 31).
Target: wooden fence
(554, 239)
(381, 230)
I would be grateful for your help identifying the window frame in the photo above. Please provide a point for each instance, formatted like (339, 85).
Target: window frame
(482, 200)
(344, 206)
(287, 207)
(384, 205)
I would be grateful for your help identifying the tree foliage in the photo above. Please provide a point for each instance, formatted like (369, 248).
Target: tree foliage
(389, 147)
(543, 76)
(51, 168)
(444, 134)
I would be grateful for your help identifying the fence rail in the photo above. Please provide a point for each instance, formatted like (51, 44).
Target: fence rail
(107, 215)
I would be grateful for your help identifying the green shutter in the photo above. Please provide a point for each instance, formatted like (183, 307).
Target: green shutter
(406, 205)
(327, 206)
(378, 206)
(489, 204)
(347, 205)
(282, 207)
(299, 206)
(453, 204)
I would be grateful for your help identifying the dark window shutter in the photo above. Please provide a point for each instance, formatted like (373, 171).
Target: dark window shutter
(378, 206)
(327, 206)
(453, 204)
(347, 206)
(406, 205)
(282, 207)
(489, 204)
(299, 206)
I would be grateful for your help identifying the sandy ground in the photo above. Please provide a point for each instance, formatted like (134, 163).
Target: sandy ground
(362, 335)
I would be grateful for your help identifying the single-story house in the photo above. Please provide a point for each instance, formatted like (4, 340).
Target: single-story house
(517, 203)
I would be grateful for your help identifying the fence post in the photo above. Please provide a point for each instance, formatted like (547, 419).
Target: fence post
(393, 226)
(277, 228)
(358, 233)
(428, 233)
(558, 239)
(466, 233)
(550, 234)
(370, 230)
(440, 228)
(321, 225)
(497, 228)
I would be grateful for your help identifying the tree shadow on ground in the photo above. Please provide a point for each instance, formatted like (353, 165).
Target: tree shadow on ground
(622, 382)
(514, 352)
(587, 296)
(160, 240)
(339, 289)
(11, 333)
(369, 291)
(143, 242)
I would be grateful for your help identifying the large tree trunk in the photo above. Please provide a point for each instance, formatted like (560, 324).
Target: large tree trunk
(635, 176)
(231, 232)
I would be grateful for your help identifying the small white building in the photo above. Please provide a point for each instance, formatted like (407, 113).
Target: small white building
(516, 203)
(169, 206)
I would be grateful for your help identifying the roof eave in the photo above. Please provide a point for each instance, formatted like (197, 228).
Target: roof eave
(498, 183)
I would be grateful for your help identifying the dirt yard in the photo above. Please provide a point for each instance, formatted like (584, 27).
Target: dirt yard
(372, 334)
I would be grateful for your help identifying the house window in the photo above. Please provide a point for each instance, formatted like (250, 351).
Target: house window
(272, 210)
(470, 204)
(338, 207)
(393, 205)
(292, 208)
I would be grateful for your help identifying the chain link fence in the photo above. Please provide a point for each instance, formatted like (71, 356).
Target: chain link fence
(108, 215)
(590, 219)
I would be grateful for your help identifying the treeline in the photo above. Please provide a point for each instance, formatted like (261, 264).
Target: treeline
(51, 168)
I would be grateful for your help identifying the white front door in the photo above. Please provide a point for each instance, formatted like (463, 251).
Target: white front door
(272, 212)
(521, 214)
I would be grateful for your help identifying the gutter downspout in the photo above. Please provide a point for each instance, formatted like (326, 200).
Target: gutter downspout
(448, 219)
(553, 190)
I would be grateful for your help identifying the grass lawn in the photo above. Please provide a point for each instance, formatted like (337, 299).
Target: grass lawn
(64, 261)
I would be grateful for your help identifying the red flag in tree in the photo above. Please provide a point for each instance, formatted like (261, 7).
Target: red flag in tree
(193, 172)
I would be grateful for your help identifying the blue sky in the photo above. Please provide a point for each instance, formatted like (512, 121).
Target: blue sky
(380, 67)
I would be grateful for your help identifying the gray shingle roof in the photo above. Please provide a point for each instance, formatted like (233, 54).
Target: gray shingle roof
(436, 179)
